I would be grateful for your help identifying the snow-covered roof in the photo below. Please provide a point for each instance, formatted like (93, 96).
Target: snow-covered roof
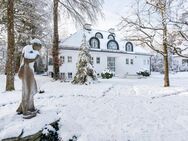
(75, 40)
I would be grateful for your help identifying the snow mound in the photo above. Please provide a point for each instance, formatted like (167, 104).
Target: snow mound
(13, 124)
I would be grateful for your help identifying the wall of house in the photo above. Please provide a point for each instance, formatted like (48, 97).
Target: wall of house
(177, 60)
(140, 62)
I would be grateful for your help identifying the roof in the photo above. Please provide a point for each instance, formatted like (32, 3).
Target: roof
(75, 40)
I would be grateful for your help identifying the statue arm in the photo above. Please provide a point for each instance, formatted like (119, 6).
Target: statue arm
(31, 60)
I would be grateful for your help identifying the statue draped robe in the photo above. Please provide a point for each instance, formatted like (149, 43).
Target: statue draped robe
(29, 88)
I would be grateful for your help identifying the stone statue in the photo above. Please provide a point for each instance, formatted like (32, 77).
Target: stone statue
(30, 53)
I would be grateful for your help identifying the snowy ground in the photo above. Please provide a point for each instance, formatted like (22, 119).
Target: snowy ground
(112, 110)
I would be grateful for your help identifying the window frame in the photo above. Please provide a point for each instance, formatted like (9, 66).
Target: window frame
(115, 43)
(90, 42)
(111, 35)
(92, 60)
(127, 61)
(99, 33)
(98, 60)
(50, 61)
(69, 74)
(68, 59)
(130, 49)
(131, 61)
(62, 58)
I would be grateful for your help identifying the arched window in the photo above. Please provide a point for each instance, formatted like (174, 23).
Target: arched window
(111, 36)
(99, 35)
(94, 42)
(129, 47)
(112, 44)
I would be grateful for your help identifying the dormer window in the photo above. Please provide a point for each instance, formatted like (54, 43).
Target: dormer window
(112, 44)
(94, 43)
(111, 37)
(129, 47)
(99, 35)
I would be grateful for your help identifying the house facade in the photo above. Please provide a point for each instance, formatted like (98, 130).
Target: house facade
(107, 51)
(181, 63)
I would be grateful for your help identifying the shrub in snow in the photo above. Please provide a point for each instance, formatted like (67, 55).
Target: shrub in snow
(85, 72)
(143, 73)
(74, 138)
(107, 74)
(49, 133)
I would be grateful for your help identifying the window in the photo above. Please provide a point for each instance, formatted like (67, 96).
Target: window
(62, 76)
(69, 75)
(62, 59)
(50, 61)
(129, 47)
(98, 60)
(127, 60)
(112, 44)
(131, 61)
(185, 62)
(94, 42)
(69, 59)
(99, 35)
(111, 37)
(92, 60)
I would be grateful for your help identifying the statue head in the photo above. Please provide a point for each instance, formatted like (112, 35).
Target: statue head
(36, 43)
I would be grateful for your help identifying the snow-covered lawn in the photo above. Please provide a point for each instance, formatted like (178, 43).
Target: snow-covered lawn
(111, 110)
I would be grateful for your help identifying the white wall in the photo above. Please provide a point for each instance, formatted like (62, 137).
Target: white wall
(121, 67)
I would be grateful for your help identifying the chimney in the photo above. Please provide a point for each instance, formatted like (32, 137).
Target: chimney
(87, 27)
(111, 30)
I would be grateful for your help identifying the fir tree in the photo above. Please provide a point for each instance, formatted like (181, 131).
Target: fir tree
(85, 71)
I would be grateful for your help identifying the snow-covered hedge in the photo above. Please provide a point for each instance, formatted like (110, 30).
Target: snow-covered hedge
(107, 74)
(143, 73)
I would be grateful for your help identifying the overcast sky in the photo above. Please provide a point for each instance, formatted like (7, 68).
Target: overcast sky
(113, 10)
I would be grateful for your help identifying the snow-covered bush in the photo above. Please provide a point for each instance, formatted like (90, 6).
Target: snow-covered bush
(143, 73)
(107, 74)
(74, 138)
(49, 133)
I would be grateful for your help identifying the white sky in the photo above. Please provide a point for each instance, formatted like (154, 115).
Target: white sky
(112, 9)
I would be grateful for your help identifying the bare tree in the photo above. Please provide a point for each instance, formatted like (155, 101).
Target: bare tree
(80, 11)
(151, 26)
(10, 51)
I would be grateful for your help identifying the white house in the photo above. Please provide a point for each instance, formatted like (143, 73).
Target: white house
(181, 63)
(107, 51)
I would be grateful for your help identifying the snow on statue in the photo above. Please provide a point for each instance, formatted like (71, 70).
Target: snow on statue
(26, 73)
(85, 72)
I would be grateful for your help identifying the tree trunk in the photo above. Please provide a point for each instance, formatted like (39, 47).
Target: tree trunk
(10, 50)
(55, 41)
(166, 69)
(165, 47)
